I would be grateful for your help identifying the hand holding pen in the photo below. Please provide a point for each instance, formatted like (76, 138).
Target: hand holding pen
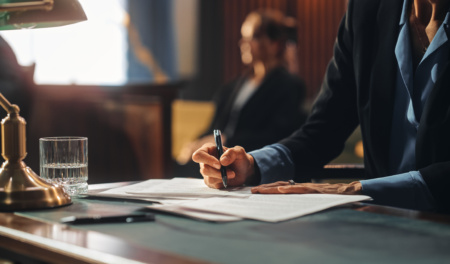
(238, 165)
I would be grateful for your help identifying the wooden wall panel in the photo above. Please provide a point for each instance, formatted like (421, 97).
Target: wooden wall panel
(318, 22)
(128, 128)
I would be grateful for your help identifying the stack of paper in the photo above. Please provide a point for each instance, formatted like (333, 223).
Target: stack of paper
(184, 188)
(192, 198)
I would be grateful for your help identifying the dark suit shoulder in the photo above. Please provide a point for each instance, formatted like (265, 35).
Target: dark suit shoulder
(284, 80)
(372, 4)
(373, 10)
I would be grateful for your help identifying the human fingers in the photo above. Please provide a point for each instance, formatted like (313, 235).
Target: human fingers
(268, 188)
(231, 155)
(265, 190)
(298, 189)
(337, 188)
(209, 172)
(205, 155)
(213, 182)
(275, 184)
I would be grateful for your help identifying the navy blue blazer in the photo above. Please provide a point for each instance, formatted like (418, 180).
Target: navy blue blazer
(358, 89)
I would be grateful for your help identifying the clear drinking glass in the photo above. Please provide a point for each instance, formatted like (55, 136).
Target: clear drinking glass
(64, 161)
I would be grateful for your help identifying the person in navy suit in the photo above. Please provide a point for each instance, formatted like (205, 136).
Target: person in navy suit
(389, 74)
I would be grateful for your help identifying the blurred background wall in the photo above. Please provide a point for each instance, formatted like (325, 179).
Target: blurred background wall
(219, 32)
(137, 78)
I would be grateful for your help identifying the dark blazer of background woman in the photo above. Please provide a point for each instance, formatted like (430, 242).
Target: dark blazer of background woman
(273, 112)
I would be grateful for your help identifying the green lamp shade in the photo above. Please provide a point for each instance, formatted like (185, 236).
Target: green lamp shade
(50, 13)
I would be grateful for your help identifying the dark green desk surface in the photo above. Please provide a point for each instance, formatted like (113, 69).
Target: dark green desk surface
(340, 235)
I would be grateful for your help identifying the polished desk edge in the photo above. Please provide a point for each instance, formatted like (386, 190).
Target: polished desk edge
(106, 244)
(413, 214)
(27, 237)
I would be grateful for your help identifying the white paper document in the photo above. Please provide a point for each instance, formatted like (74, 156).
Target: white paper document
(192, 198)
(184, 188)
(273, 207)
(193, 213)
(166, 204)
(122, 192)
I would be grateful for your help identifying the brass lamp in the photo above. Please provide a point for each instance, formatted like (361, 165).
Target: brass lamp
(20, 187)
(18, 14)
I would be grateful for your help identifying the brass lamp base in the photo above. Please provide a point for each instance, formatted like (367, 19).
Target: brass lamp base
(22, 189)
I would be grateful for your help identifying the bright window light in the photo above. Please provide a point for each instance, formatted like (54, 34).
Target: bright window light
(89, 52)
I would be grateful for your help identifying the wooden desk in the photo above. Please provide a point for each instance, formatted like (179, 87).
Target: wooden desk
(360, 234)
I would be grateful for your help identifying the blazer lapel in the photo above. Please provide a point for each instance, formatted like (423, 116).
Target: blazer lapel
(433, 136)
(263, 91)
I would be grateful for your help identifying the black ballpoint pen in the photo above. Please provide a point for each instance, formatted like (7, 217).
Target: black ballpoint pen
(99, 219)
(223, 170)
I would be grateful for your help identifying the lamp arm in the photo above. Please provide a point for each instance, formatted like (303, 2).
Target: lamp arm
(30, 5)
(10, 108)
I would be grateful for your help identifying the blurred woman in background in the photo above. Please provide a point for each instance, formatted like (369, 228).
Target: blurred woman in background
(263, 105)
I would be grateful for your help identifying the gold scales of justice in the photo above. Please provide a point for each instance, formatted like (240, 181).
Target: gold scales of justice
(20, 187)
